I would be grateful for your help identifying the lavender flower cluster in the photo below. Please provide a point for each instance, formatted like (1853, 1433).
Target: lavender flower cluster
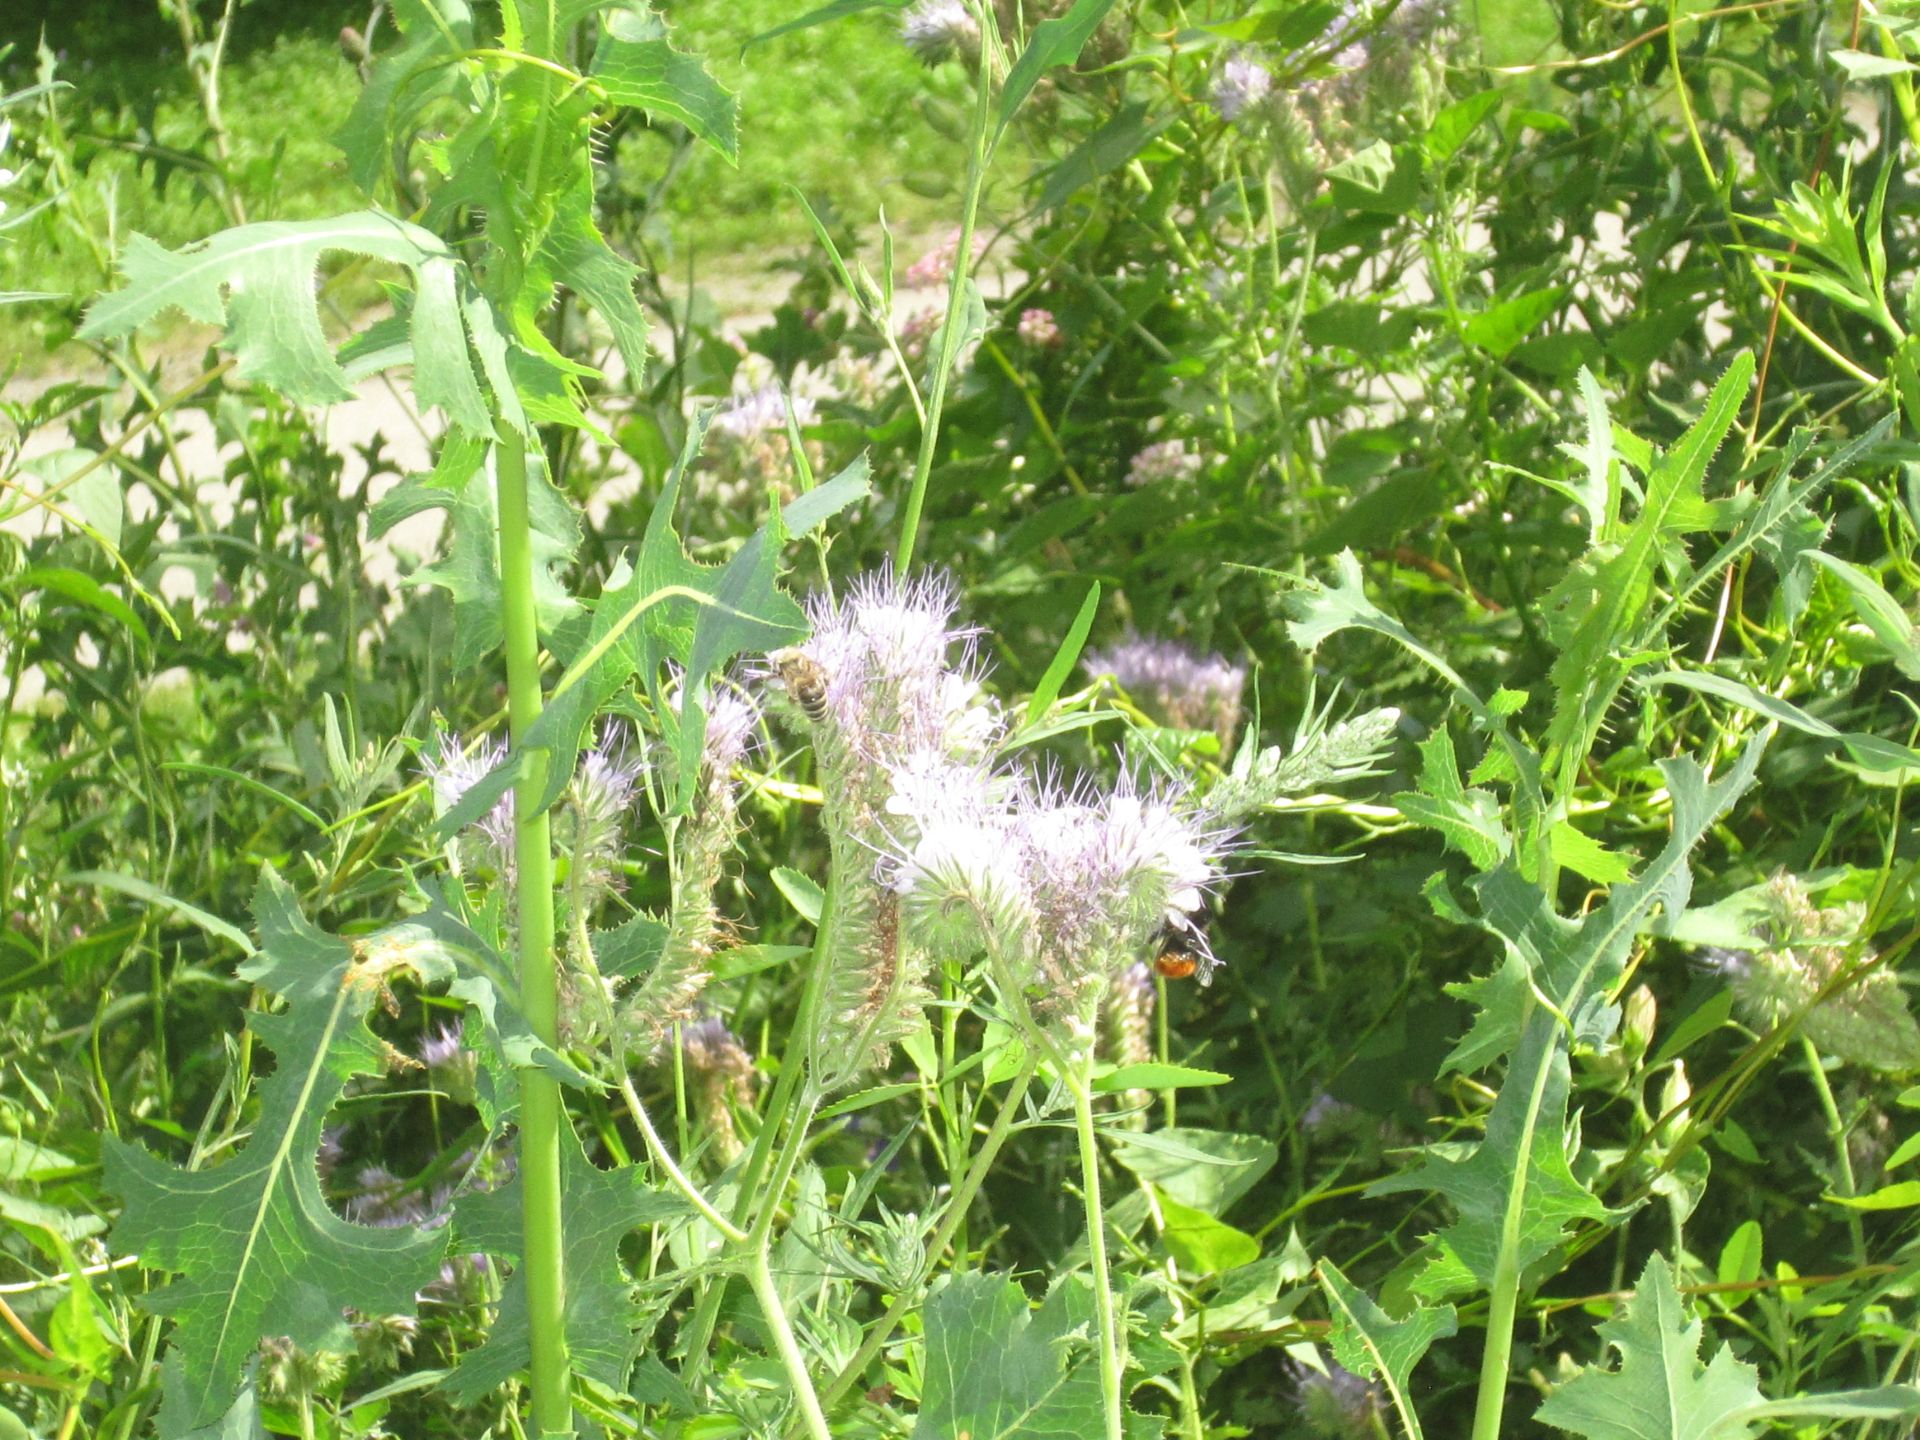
(605, 791)
(939, 30)
(1175, 685)
(1062, 886)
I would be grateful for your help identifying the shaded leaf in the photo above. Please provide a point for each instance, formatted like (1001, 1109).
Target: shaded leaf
(1368, 1342)
(259, 1250)
(602, 1208)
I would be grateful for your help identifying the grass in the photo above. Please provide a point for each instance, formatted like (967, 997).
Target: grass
(838, 112)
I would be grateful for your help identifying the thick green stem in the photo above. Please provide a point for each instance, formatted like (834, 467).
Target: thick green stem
(1111, 1362)
(950, 331)
(541, 1115)
(796, 1363)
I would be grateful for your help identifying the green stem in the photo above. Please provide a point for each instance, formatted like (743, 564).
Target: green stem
(950, 1222)
(1110, 1359)
(1843, 1180)
(950, 331)
(792, 1064)
(541, 1115)
(1504, 1294)
(761, 1276)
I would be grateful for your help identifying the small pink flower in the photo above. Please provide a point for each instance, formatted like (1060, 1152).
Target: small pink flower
(1039, 329)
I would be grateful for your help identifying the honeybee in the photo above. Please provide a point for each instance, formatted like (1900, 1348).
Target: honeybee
(806, 682)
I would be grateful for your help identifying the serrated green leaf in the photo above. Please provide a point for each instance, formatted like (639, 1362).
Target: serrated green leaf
(1660, 1390)
(636, 66)
(469, 568)
(1516, 1186)
(257, 281)
(579, 257)
(996, 1370)
(1368, 1342)
(1054, 42)
(1468, 820)
(1596, 610)
(403, 82)
(603, 1207)
(257, 1247)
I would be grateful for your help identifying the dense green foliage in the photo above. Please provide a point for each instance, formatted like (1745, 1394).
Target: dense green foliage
(1446, 481)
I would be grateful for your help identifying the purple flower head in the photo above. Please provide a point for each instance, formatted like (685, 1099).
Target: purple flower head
(1163, 460)
(1322, 1111)
(450, 1064)
(1241, 85)
(383, 1201)
(1177, 685)
(608, 781)
(733, 719)
(937, 30)
(751, 414)
(441, 1046)
(961, 880)
(1335, 1403)
(883, 657)
(452, 772)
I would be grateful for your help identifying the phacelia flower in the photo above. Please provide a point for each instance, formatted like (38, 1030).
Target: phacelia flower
(606, 787)
(384, 1201)
(754, 413)
(723, 1077)
(937, 30)
(887, 682)
(452, 772)
(1175, 684)
(1241, 85)
(1163, 460)
(1335, 1403)
(1039, 329)
(1867, 1022)
(450, 1064)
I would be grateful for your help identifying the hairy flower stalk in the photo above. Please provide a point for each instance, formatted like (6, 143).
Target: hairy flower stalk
(876, 686)
(1322, 754)
(670, 994)
(723, 1077)
(1865, 1022)
(1128, 1031)
(605, 789)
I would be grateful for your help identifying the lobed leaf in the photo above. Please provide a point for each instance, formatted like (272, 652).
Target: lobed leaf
(258, 1249)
